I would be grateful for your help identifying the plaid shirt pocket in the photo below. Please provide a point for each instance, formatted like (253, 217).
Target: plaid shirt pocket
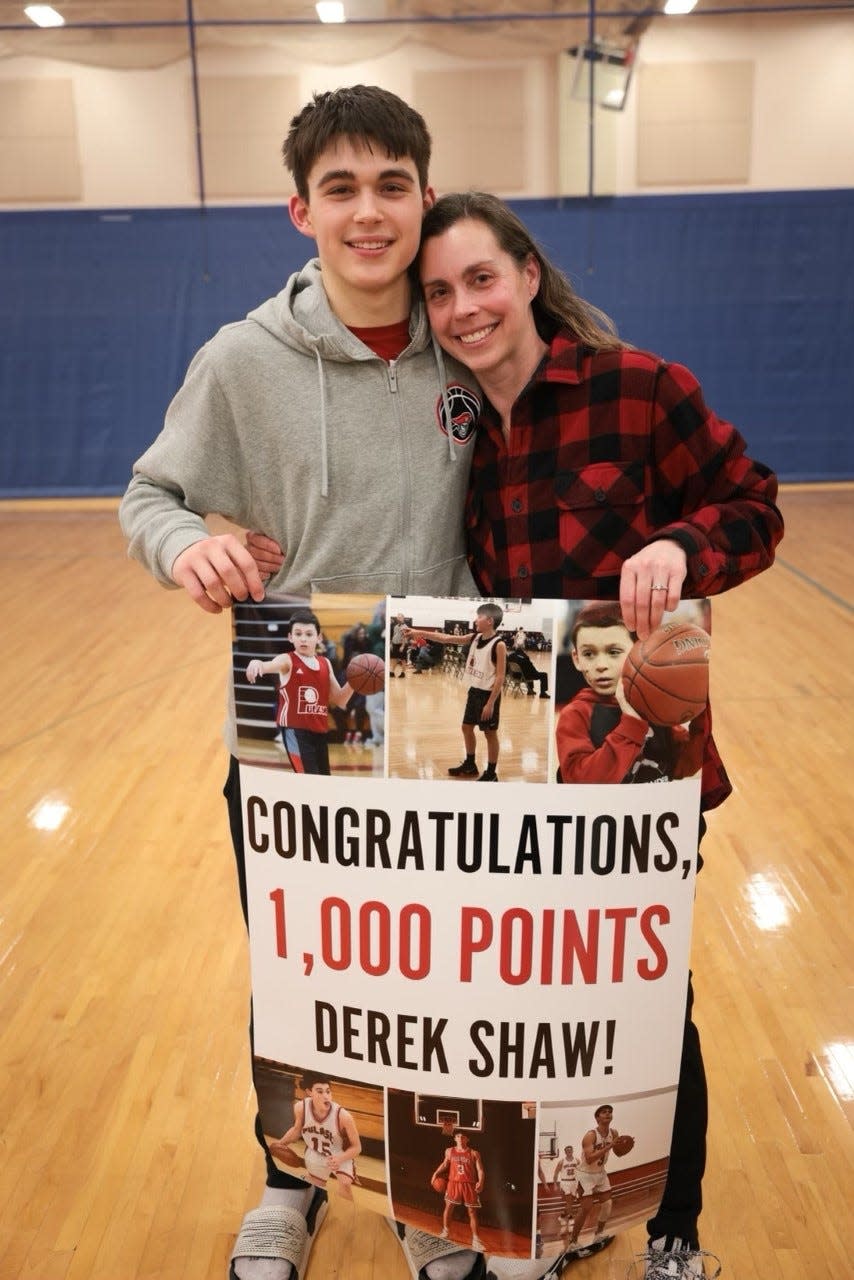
(602, 515)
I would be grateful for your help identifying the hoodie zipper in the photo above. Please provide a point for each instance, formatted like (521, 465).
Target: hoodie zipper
(406, 499)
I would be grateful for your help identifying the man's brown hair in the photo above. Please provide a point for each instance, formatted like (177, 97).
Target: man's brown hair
(364, 114)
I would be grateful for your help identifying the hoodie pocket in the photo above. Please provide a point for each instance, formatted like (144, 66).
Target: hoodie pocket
(447, 578)
(362, 584)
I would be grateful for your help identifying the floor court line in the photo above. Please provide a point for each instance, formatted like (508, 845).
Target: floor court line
(813, 582)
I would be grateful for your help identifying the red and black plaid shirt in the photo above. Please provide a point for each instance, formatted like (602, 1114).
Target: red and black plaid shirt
(607, 452)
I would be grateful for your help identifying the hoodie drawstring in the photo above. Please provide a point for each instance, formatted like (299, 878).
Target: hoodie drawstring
(443, 385)
(324, 449)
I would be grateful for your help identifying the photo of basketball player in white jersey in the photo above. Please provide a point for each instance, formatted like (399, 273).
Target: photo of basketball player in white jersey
(473, 678)
(484, 672)
(307, 689)
(593, 1182)
(329, 1134)
(565, 1173)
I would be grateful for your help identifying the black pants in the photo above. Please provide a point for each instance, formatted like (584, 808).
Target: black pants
(683, 1192)
(683, 1198)
(231, 791)
(519, 664)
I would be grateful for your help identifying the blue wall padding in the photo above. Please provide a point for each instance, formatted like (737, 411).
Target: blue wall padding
(100, 313)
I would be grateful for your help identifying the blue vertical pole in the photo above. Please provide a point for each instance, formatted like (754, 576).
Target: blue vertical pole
(197, 114)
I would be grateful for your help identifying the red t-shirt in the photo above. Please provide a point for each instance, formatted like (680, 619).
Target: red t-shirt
(385, 340)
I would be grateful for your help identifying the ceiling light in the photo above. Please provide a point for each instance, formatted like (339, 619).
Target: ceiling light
(330, 11)
(614, 99)
(679, 6)
(44, 16)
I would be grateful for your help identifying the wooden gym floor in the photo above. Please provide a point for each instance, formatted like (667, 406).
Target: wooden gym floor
(127, 1150)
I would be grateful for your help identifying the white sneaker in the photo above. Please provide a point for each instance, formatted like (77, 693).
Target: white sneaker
(477, 1244)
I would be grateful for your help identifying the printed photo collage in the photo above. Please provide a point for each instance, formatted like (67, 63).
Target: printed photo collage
(417, 687)
(413, 690)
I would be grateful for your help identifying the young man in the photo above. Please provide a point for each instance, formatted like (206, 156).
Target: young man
(486, 665)
(307, 689)
(599, 735)
(292, 421)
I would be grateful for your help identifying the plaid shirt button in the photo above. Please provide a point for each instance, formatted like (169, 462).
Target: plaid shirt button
(599, 495)
(516, 505)
(523, 571)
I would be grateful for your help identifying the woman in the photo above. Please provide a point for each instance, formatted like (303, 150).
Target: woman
(634, 483)
(598, 472)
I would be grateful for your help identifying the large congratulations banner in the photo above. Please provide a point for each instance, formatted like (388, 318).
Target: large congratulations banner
(469, 1001)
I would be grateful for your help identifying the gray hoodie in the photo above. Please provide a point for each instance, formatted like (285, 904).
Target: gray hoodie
(288, 424)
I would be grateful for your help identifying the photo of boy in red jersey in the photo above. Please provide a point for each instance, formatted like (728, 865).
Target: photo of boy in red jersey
(463, 1168)
(307, 688)
(599, 735)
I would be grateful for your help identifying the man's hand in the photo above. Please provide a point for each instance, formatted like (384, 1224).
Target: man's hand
(650, 583)
(267, 554)
(217, 571)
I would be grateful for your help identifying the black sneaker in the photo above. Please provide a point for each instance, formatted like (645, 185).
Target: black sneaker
(576, 1252)
(486, 776)
(467, 769)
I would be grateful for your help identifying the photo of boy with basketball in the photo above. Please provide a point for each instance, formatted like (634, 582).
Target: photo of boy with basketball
(600, 736)
(593, 1182)
(329, 1133)
(307, 688)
